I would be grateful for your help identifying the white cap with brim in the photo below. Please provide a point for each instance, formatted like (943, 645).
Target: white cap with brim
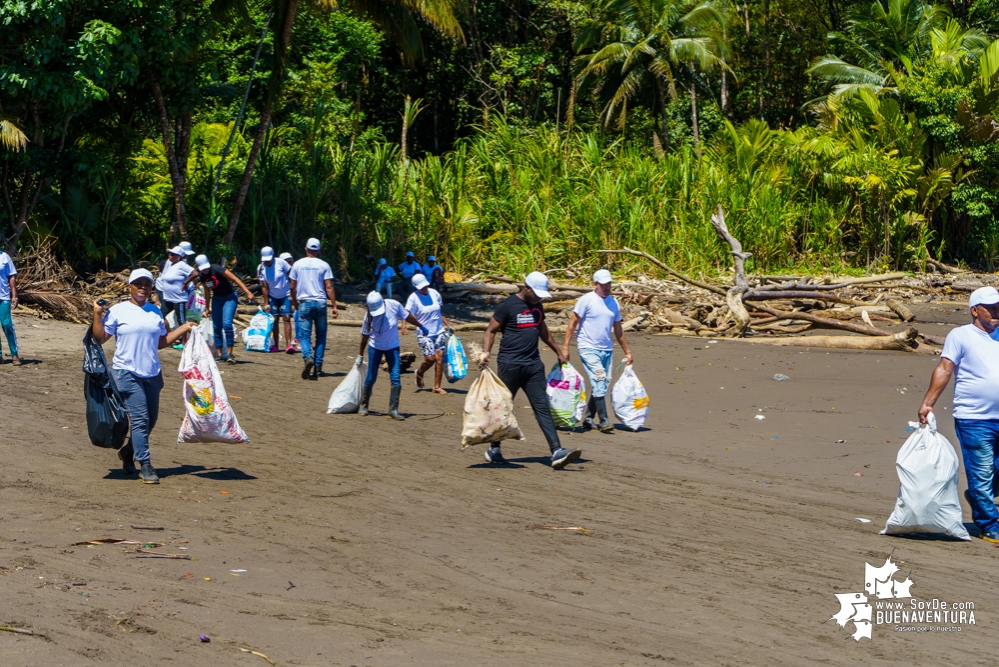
(376, 304)
(138, 274)
(420, 281)
(538, 282)
(180, 252)
(285, 256)
(313, 244)
(603, 277)
(202, 262)
(186, 247)
(984, 296)
(267, 253)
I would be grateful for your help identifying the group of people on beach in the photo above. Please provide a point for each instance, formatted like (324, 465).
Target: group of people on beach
(305, 288)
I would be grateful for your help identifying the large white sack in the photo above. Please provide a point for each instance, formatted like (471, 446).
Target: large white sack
(489, 415)
(196, 305)
(566, 395)
(257, 337)
(347, 396)
(209, 416)
(631, 403)
(928, 501)
(207, 329)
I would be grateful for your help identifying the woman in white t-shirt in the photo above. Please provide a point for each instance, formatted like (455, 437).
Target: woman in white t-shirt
(425, 305)
(139, 332)
(381, 328)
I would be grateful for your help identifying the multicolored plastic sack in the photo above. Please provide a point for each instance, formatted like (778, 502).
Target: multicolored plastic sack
(209, 416)
(455, 361)
(566, 395)
(257, 337)
(631, 403)
(196, 305)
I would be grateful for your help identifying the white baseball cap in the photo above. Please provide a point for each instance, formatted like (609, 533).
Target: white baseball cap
(313, 244)
(186, 247)
(603, 276)
(267, 253)
(285, 256)
(984, 296)
(177, 250)
(202, 262)
(376, 304)
(420, 281)
(538, 282)
(136, 274)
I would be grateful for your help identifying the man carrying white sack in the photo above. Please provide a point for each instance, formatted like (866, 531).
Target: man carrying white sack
(597, 314)
(971, 354)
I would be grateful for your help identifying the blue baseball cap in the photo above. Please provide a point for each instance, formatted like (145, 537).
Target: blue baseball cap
(410, 254)
(431, 258)
(382, 262)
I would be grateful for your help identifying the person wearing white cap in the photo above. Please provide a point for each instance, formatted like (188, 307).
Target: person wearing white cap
(384, 276)
(381, 328)
(276, 289)
(521, 319)
(286, 256)
(407, 270)
(8, 302)
(425, 305)
(434, 273)
(311, 284)
(971, 355)
(221, 303)
(173, 277)
(597, 315)
(139, 332)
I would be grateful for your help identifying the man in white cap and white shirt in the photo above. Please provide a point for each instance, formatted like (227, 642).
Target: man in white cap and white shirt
(276, 288)
(597, 315)
(971, 355)
(521, 319)
(311, 284)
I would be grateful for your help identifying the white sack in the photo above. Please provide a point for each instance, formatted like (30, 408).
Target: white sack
(347, 396)
(566, 395)
(928, 501)
(209, 416)
(631, 403)
(207, 329)
(489, 415)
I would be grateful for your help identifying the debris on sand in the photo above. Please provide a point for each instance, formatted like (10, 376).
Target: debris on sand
(579, 529)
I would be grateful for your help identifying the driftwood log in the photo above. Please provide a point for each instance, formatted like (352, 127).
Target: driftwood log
(735, 293)
(904, 341)
(673, 272)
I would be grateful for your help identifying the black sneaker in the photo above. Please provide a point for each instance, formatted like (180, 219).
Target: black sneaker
(148, 474)
(562, 457)
(494, 455)
(231, 360)
(307, 371)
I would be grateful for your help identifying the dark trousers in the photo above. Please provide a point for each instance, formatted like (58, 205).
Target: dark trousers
(533, 380)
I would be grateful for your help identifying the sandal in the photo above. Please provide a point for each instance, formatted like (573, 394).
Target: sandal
(419, 381)
(15, 362)
(438, 390)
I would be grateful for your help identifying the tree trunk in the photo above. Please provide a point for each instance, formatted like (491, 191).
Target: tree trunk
(693, 115)
(405, 130)
(265, 121)
(177, 177)
(764, 78)
(662, 107)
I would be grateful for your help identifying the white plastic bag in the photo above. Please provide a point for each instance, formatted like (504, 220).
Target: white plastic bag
(171, 319)
(207, 330)
(347, 396)
(566, 395)
(927, 494)
(489, 415)
(196, 305)
(257, 336)
(209, 416)
(631, 403)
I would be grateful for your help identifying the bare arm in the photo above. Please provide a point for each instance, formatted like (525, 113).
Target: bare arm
(619, 333)
(546, 335)
(175, 335)
(266, 295)
(569, 331)
(364, 344)
(938, 382)
(294, 294)
(246, 290)
(98, 326)
(487, 338)
(331, 294)
(12, 281)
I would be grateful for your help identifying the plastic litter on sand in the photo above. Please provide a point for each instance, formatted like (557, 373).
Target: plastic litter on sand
(779, 377)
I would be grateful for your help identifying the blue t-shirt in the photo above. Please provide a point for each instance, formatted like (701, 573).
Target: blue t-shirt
(384, 274)
(137, 333)
(409, 269)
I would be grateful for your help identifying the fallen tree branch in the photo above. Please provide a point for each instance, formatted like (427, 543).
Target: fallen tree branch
(673, 272)
(734, 295)
(904, 341)
(944, 267)
(825, 321)
(899, 309)
(868, 279)
(758, 295)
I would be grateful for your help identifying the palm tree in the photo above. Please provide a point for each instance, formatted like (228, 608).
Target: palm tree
(396, 17)
(11, 136)
(880, 40)
(639, 44)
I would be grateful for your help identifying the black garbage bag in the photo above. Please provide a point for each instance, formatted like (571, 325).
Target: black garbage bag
(107, 420)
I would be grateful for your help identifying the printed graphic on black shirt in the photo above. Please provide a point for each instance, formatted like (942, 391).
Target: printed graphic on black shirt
(520, 324)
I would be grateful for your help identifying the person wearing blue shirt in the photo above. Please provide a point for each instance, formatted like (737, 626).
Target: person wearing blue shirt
(434, 273)
(407, 270)
(384, 276)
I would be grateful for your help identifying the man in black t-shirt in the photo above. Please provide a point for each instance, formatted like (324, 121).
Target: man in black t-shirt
(521, 319)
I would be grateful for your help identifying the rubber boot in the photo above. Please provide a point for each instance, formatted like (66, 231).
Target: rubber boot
(317, 371)
(591, 411)
(365, 397)
(394, 403)
(126, 454)
(605, 425)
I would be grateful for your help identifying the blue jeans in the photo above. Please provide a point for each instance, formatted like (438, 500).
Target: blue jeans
(375, 358)
(223, 311)
(384, 286)
(309, 313)
(7, 323)
(598, 368)
(979, 439)
(142, 401)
